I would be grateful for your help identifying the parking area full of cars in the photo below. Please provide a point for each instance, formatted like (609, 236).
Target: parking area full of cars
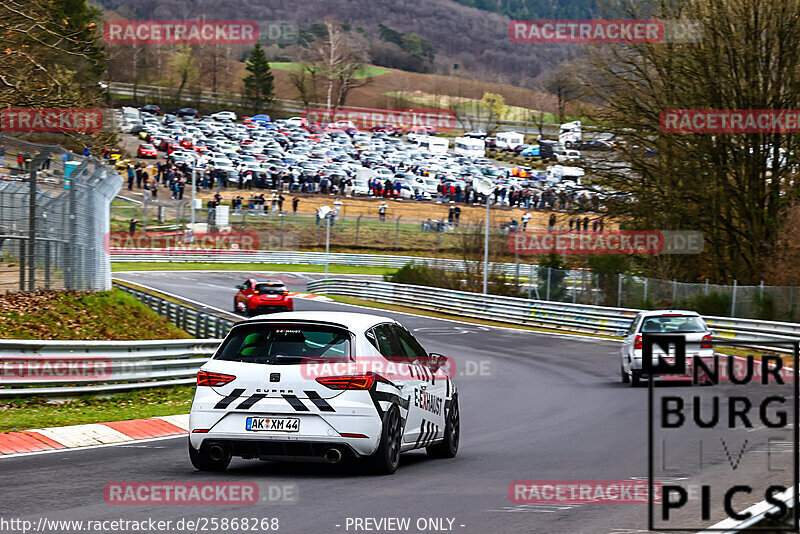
(338, 158)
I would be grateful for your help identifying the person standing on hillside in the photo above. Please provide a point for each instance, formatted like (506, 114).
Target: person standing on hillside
(295, 201)
(382, 210)
(551, 224)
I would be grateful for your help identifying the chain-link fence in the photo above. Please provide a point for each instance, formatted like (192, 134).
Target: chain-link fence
(54, 217)
(781, 303)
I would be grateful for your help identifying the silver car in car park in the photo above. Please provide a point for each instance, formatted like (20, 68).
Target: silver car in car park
(688, 323)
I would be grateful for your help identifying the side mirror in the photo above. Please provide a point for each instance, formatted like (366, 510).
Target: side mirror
(622, 333)
(713, 333)
(240, 286)
(436, 361)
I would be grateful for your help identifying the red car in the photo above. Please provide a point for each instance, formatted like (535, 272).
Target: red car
(147, 151)
(256, 297)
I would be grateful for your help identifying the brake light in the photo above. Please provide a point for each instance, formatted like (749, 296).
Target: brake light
(207, 378)
(706, 342)
(637, 343)
(347, 382)
(284, 292)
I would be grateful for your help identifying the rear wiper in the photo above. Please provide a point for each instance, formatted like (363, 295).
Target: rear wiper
(287, 357)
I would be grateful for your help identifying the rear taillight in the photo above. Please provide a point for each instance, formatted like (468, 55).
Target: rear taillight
(284, 292)
(706, 342)
(206, 378)
(637, 343)
(347, 382)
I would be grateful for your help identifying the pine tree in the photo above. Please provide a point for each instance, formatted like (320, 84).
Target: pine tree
(259, 84)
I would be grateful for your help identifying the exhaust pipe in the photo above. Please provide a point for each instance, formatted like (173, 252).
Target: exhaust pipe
(217, 452)
(333, 455)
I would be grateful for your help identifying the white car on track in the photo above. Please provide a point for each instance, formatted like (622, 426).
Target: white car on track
(687, 323)
(322, 386)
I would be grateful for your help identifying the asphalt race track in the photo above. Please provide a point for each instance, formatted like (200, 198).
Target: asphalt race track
(543, 408)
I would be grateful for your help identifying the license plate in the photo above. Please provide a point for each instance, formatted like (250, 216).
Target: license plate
(273, 424)
(270, 296)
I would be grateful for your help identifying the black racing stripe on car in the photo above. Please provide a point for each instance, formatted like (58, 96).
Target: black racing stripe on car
(448, 388)
(296, 403)
(434, 433)
(373, 396)
(226, 401)
(391, 397)
(250, 401)
(319, 402)
(421, 433)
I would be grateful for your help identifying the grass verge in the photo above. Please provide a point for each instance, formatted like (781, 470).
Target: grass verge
(248, 267)
(34, 412)
(105, 315)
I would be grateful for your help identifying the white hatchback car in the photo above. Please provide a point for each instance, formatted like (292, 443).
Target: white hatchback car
(322, 386)
(224, 115)
(688, 323)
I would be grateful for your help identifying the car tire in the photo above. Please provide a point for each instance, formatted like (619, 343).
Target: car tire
(387, 457)
(625, 376)
(635, 379)
(203, 462)
(448, 448)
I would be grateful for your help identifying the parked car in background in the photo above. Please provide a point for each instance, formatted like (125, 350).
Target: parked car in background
(151, 108)
(186, 112)
(147, 151)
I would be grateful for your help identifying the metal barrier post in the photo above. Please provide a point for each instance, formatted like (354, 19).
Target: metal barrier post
(674, 291)
(530, 282)
(644, 294)
(619, 291)
(21, 265)
(47, 264)
(733, 300)
(549, 269)
(358, 224)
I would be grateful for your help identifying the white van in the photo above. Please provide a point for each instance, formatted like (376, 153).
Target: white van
(509, 139)
(559, 173)
(433, 145)
(470, 148)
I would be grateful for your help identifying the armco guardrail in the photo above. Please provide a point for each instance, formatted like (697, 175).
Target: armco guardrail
(197, 323)
(295, 257)
(539, 313)
(63, 368)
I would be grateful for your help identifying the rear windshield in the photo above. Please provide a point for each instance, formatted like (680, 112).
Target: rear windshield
(284, 344)
(682, 324)
(270, 288)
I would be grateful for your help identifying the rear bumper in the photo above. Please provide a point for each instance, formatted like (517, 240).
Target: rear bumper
(266, 308)
(281, 449)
